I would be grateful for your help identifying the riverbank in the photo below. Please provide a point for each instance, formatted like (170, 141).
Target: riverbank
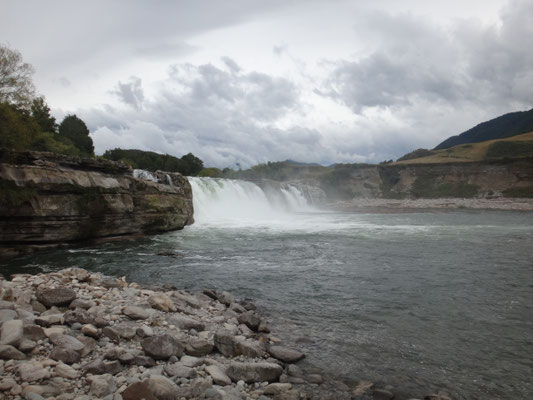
(75, 335)
(413, 205)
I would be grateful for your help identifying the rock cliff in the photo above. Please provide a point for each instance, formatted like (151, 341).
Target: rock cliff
(49, 200)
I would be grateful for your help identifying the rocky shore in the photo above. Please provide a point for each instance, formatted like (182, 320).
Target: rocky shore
(72, 334)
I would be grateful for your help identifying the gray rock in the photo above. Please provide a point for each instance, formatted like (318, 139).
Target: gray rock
(187, 323)
(102, 385)
(27, 345)
(277, 388)
(110, 283)
(315, 378)
(99, 367)
(162, 347)
(144, 361)
(191, 362)
(249, 348)
(7, 315)
(111, 333)
(33, 396)
(144, 331)
(219, 376)
(79, 315)
(90, 330)
(138, 391)
(60, 296)
(254, 372)
(161, 302)
(294, 370)
(6, 305)
(66, 341)
(250, 319)
(382, 394)
(81, 303)
(43, 390)
(34, 332)
(65, 371)
(49, 320)
(199, 347)
(32, 371)
(7, 383)
(285, 354)
(126, 357)
(163, 388)
(126, 330)
(68, 356)
(180, 371)
(12, 332)
(225, 298)
(225, 342)
(8, 352)
(89, 344)
(135, 312)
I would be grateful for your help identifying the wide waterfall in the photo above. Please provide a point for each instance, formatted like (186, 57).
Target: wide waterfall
(226, 200)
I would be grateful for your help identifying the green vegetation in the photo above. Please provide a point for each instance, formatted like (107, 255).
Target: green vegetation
(390, 176)
(73, 130)
(13, 195)
(523, 192)
(189, 164)
(508, 149)
(425, 186)
(507, 125)
(416, 154)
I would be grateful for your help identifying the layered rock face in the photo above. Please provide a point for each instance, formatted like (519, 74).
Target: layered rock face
(48, 200)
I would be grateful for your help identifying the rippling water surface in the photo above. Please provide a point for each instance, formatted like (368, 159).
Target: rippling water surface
(419, 301)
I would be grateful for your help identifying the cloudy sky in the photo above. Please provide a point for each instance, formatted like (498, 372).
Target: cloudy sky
(250, 81)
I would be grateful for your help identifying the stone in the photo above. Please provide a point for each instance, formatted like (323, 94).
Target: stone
(382, 394)
(66, 341)
(49, 320)
(89, 344)
(60, 296)
(12, 332)
(315, 378)
(179, 370)
(6, 305)
(42, 390)
(7, 383)
(37, 306)
(126, 330)
(144, 361)
(59, 330)
(7, 315)
(187, 323)
(254, 372)
(277, 388)
(224, 342)
(248, 348)
(80, 274)
(144, 331)
(138, 391)
(438, 396)
(81, 303)
(99, 367)
(8, 352)
(250, 319)
(102, 385)
(111, 334)
(195, 389)
(362, 388)
(126, 357)
(33, 396)
(78, 315)
(163, 388)
(285, 354)
(32, 371)
(65, 371)
(90, 330)
(294, 370)
(68, 356)
(110, 283)
(237, 308)
(199, 347)
(162, 347)
(27, 345)
(34, 332)
(161, 302)
(219, 376)
(225, 298)
(191, 362)
(135, 312)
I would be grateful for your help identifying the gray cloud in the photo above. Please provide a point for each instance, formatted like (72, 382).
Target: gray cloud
(131, 93)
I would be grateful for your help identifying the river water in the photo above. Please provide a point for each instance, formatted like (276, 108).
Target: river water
(420, 301)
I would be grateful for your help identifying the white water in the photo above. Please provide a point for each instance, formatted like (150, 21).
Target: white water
(240, 202)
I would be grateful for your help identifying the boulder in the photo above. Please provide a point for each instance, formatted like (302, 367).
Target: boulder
(32, 371)
(254, 372)
(250, 319)
(138, 391)
(187, 323)
(8, 352)
(161, 302)
(162, 347)
(102, 385)
(199, 347)
(135, 312)
(163, 388)
(68, 356)
(219, 376)
(285, 354)
(60, 296)
(12, 332)
(66, 341)
(225, 342)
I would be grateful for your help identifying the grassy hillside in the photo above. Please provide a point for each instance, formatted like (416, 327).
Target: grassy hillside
(504, 126)
(512, 147)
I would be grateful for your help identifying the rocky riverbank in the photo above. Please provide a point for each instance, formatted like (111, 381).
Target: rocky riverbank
(72, 334)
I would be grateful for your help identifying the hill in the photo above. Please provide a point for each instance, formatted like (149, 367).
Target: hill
(511, 147)
(504, 126)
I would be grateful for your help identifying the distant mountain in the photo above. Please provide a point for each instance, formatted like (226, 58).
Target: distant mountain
(507, 125)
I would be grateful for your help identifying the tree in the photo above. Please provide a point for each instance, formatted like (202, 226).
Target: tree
(18, 130)
(41, 114)
(75, 130)
(192, 164)
(16, 86)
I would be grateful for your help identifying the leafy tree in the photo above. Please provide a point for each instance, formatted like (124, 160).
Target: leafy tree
(192, 164)
(41, 114)
(75, 130)
(16, 86)
(17, 128)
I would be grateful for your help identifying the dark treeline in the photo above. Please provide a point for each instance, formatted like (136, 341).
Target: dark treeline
(189, 164)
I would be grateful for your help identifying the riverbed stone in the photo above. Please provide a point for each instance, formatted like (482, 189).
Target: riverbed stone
(218, 375)
(285, 354)
(161, 302)
(126, 330)
(225, 298)
(65, 371)
(162, 387)
(144, 331)
(111, 333)
(199, 347)
(162, 347)
(6, 305)
(254, 372)
(32, 371)
(66, 341)
(225, 342)
(138, 391)
(191, 362)
(60, 296)
(68, 356)
(34, 332)
(382, 394)
(7, 315)
(8, 352)
(12, 332)
(135, 312)
(187, 323)
(102, 385)
(179, 370)
(250, 319)
(27, 345)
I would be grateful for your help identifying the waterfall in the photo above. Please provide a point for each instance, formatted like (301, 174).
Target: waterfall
(227, 199)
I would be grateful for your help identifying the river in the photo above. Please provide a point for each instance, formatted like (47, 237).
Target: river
(422, 302)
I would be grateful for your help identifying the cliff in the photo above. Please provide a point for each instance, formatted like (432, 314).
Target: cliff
(48, 200)
(512, 178)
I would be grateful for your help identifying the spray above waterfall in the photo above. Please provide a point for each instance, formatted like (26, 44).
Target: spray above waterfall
(226, 199)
